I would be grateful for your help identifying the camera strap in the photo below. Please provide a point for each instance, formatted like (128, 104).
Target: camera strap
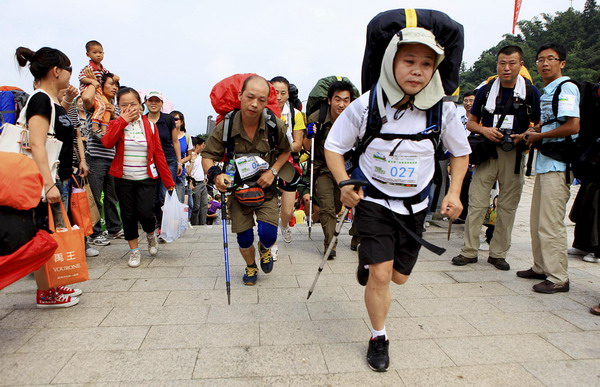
(507, 107)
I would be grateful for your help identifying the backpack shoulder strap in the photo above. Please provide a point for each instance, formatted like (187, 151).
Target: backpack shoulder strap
(227, 129)
(557, 95)
(272, 132)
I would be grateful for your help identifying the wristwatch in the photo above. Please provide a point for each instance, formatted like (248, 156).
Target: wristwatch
(274, 171)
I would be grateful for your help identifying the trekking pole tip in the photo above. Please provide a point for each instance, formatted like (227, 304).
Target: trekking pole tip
(309, 294)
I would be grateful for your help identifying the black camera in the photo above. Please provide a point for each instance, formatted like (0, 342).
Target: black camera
(507, 144)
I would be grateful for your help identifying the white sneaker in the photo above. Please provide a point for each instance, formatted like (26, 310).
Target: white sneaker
(274, 252)
(574, 251)
(484, 246)
(591, 257)
(152, 245)
(286, 234)
(100, 240)
(135, 258)
(91, 252)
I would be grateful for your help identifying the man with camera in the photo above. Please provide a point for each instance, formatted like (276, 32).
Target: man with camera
(503, 109)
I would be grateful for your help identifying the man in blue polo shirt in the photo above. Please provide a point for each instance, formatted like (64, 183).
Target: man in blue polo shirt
(551, 190)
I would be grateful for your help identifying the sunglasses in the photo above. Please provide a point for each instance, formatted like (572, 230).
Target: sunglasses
(177, 118)
(67, 68)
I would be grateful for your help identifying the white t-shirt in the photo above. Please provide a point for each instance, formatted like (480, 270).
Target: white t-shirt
(135, 157)
(197, 171)
(398, 168)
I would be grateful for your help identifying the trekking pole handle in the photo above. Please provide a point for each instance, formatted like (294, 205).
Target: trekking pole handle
(356, 182)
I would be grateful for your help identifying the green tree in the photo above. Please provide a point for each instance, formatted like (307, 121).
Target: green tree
(578, 31)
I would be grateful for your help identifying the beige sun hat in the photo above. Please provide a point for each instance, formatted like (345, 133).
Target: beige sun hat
(430, 94)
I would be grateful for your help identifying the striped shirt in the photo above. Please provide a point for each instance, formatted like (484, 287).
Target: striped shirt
(98, 73)
(135, 156)
(94, 143)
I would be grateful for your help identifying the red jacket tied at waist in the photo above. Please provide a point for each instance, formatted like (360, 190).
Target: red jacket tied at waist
(115, 136)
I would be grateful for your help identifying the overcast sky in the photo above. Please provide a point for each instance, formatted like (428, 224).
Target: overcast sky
(183, 47)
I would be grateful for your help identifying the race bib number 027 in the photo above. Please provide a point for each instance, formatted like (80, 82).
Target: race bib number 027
(400, 170)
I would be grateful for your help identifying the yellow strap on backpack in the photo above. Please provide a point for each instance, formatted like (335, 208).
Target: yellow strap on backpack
(411, 18)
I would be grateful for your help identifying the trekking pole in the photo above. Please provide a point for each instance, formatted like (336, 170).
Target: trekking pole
(225, 247)
(357, 184)
(312, 171)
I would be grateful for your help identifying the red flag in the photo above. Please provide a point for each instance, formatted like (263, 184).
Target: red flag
(516, 15)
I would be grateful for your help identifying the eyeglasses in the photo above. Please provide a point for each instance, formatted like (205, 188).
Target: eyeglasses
(549, 59)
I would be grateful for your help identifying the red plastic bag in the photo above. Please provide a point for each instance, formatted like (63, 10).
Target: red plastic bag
(224, 96)
(28, 258)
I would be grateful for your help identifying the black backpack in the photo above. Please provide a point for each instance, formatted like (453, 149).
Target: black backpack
(581, 155)
(432, 133)
(385, 25)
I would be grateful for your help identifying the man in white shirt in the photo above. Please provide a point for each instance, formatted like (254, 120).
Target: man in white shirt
(391, 211)
(196, 172)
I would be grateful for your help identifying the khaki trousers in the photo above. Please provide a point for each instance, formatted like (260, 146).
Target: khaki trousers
(547, 226)
(501, 169)
(328, 195)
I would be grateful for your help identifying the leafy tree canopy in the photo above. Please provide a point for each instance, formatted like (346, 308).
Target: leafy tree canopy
(577, 31)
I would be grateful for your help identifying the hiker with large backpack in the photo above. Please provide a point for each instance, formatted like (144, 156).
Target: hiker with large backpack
(251, 143)
(322, 116)
(399, 125)
(502, 110)
(551, 190)
(294, 120)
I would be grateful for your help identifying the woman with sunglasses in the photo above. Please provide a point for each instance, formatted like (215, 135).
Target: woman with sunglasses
(51, 70)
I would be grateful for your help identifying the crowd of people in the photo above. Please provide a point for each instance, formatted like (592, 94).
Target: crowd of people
(133, 159)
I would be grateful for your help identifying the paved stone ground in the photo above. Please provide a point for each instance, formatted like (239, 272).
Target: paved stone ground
(168, 322)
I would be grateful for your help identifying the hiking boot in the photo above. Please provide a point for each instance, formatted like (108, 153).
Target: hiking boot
(117, 235)
(549, 287)
(67, 291)
(152, 244)
(91, 252)
(135, 258)
(499, 263)
(251, 275)
(461, 260)
(354, 243)
(378, 357)
(286, 234)
(49, 299)
(576, 251)
(332, 255)
(266, 258)
(362, 274)
(529, 273)
(591, 257)
(99, 240)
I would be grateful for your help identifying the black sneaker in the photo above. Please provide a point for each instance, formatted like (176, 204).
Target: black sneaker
(499, 263)
(378, 357)
(461, 260)
(332, 255)
(354, 243)
(362, 274)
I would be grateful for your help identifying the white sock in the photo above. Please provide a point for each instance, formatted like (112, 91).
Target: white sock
(375, 333)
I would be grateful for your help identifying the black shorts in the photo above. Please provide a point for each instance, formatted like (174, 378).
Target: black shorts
(384, 239)
(291, 186)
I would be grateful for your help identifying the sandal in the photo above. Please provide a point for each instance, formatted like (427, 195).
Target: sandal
(595, 310)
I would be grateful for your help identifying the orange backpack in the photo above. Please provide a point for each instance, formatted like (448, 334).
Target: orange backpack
(21, 181)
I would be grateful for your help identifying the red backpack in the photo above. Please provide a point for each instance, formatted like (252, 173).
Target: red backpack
(224, 96)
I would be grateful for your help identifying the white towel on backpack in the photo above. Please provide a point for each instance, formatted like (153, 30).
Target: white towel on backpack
(519, 92)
